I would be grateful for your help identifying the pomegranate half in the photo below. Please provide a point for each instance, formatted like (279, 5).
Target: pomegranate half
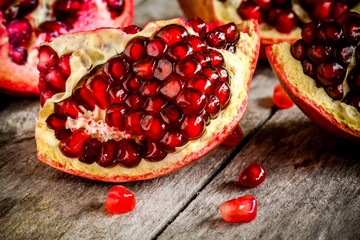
(25, 24)
(138, 104)
(320, 72)
(279, 20)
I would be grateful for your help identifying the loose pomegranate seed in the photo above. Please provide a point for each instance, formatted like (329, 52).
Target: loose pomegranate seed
(172, 34)
(198, 25)
(19, 32)
(131, 29)
(281, 99)
(241, 209)
(135, 49)
(235, 137)
(47, 58)
(129, 153)
(191, 101)
(120, 200)
(192, 127)
(73, 147)
(108, 154)
(252, 175)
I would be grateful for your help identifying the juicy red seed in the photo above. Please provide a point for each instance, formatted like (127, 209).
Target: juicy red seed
(68, 107)
(338, 8)
(198, 25)
(64, 65)
(116, 5)
(164, 68)
(216, 38)
(117, 94)
(172, 115)
(263, 4)
(172, 140)
(55, 122)
(179, 51)
(144, 68)
(117, 68)
(153, 126)
(353, 79)
(74, 146)
(248, 10)
(319, 53)
(321, 10)
(272, 15)
(47, 58)
(65, 8)
(132, 29)
(18, 54)
(155, 104)
(108, 154)
(136, 49)
(212, 74)
(98, 85)
(133, 122)
(330, 73)
(286, 22)
(232, 33)
(241, 209)
(203, 58)
(83, 97)
(150, 88)
(192, 127)
(308, 32)
(235, 137)
(135, 101)
(156, 48)
(216, 58)
(132, 84)
(299, 50)
(191, 101)
(335, 92)
(280, 98)
(222, 92)
(201, 83)
(351, 29)
(154, 152)
(91, 151)
(171, 87)
(120, 200)
(206, 117)
(63, 134)
(129, 153)
(343, 54)
(309, 68)
(223, 74)
(172, 33)
(44, 95)
(330, 33)
(55, 81)
(52, 29)
(196, 43)
(252, 175)
(188, 67)
(115, 116)
(19, 32)
(213, 106)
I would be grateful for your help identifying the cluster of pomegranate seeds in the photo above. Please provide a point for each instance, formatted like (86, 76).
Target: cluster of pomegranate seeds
(241, 209)
(325, 52)
(120, 200)
(280, 98)
(253, 175)
(155, 96)
(276, 13)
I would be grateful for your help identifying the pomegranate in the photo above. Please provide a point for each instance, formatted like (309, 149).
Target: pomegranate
(120, 200)
(25, 24)
(320, 72)
(124, 105)
(238, 210)
(279, 20)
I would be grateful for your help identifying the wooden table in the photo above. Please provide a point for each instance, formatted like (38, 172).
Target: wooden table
(312, 190)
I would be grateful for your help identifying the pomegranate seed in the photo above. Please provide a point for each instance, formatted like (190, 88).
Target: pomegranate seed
(201, 83)
(45, 95)
(131, 29)
(252, 175)
(47, 58)
(153, 126)
(120, 200)
(280, 98)
(335, 91)
(98, 85)
(68, 107)
(343, 54)
(172, 140)
(188, 67)
(198, 25)
(55, 122)
(91, 152)
(216, 58)
(263, 4)
(171, 87)
(299, 50)
(135, 101)
(322, 10)
(117, 94)
(338, 8)
(212, 74)
(191, 101)
(235, 137)
(64, 65)
(129, 153)
(132, 84)
(172, 33)
(108, 154)
(222, 92)
(172, 115)
(116, 5)
(115, 116)
(117, 68)
(19, 32)
(83, 97)
(196, 43)
(248, 10)
(308, 32)
(133, 122)
(272, 15)
(156, 48)
(144, 68)
(330, 33)
(18, 54)
(62, 134)
(309, 68)
(192, 127)
(213, 106)
(330, 73)
(52, 29)
(150, 88)
(155, 104)
(135, 49)
(20, 9)
(73, 147)
(203, 58)
(232, 33)
(223, 74)
(154, 152)
(351, 29)
(353, 99)
(319, 53)
(241, 209)
(353, 79)
(55, 81)
(216, 38)
(286, 22)
(179, 51)
(164, 68)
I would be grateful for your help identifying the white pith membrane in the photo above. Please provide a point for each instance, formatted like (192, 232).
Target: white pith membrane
(91, 49)
(43, 12)
(305, 86)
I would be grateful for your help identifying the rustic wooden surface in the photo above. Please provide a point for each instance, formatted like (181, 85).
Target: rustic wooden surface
(312, 190)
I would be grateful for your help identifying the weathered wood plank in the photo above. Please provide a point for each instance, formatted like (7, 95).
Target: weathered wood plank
(312, 190)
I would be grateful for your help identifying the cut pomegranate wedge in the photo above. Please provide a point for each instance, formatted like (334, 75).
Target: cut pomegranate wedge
(138, 106)
(280, 20)
(25, 24)
(320, 72)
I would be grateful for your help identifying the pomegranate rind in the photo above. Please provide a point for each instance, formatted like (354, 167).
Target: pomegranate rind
(22, 80)
(335, 116)
(96, 47)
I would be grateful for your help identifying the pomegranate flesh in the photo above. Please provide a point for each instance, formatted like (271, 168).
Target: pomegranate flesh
(25, 24)
(138, 106)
